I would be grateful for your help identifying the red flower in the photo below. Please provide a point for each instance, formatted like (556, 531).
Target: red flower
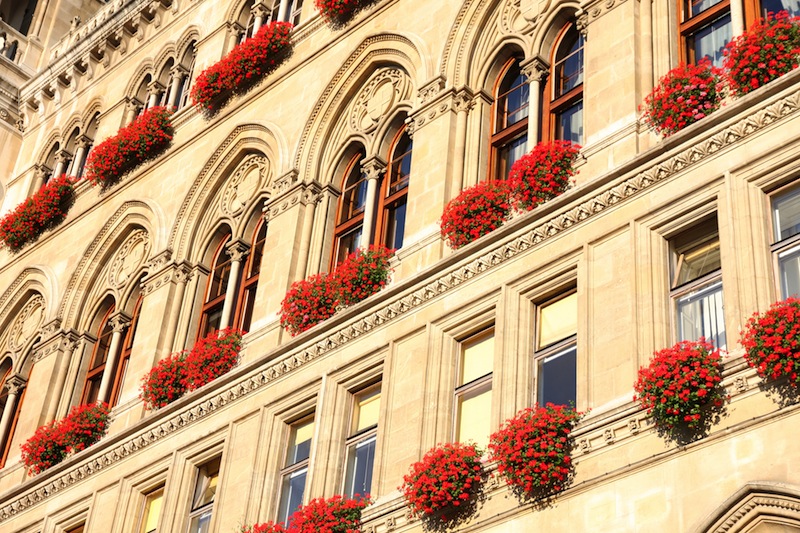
(332, 515)
(542, 174)
(40, 212)
(683, 96)
(772, 341)
(266, 527)
(475, 212)
(338, 12)
(532, 450)
(765, 51)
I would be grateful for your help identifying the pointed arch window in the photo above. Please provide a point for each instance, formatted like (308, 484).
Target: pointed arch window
(97, 363)
(565, 114)
(252, 270)
(12, 394)
(216, 290)
(127, 347)
(350, 218)
(510, 112)
(395, 191)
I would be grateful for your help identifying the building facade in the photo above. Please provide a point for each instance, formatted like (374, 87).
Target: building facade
(362, 136)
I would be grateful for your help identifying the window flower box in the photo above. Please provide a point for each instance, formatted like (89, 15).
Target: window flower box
(44, 210)
(683, 96)
(772, 342)
(336, 514)
(53, 442)
(243, 67)
(542, 174)
(478, 210)
(443, 487)
(533, 450)
(338, 12)
(266, 527)
(767, 50)
(147, 137)
(678, 384)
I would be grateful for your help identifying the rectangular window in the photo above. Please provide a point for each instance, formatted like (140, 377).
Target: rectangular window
(205, 490)
(152, 510)
(705, 29)
(697, 284)
(786, 244)
(556, 350)
(295, 471)
(473, 394)
(362, 442)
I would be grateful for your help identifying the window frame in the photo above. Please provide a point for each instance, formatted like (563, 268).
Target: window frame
(292, 469)
(215, 303)
(475, 387)
(355, 221)
(502, 137)
(389, 201)
(248, 280)
(145, 509)
(782, 246)
(361, 437)
(197, 510)
(121, 369)
(557, 348)
(554, 104)
(5, 447)
(689, 25)
(94, 374)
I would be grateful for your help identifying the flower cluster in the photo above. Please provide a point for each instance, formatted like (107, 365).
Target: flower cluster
(542, 174)
(243, 67)
(772, 341)
(40, 212)
(533, 449)
(332, 515)
(679, 382)
(51, 443)
(143, 139)
(767, 50)
(478, 210)
(683, 96)
(266, 527)
(316, 298)
(338, 12)
(447, 477)
(182, 372)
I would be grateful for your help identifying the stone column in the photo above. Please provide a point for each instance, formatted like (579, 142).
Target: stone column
(40, 176)
(61, 163)
(68, 346)
(154, 91)
(119, 321)
(259, 12)
(182, 275)
(237, 250)
(14, 385)
(76, 169)
(235, 32)
(283, 10)
(177, 74)
(132, 107)
(535, 70)
(311, 197)
(462, 104)
(373, 167)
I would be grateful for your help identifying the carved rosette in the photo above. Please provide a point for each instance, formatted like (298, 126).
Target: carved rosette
(246, 181)
(26, 324)
(383, 90)
(130, 257)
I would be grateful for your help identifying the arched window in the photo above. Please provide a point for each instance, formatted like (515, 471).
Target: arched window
(244, 314)
(97, 363)
(705, 27)
(216, 288)
(109, 359)
(395, 191)
(510, 116)
(565, 88)
(182, 77)
(127, 346)
(10, 402)
(350, 218)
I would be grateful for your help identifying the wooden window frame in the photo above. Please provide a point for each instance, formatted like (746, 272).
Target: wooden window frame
(689, 25)
(211, 304)
(391, 200)
(360, 436)
(553, 104)
(125, 356)
(503, 136)
(556, 348)
(292, 468)
(5, 447)
(249, 279)
(94, 373)
(355, 220)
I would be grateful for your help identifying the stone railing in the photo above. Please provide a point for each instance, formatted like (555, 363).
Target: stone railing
(13, 44)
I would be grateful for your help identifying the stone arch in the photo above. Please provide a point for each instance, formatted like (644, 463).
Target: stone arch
(190, 35)
(95, 276)
(202, 210)
(25, 307)
(141, 76)
(168, 52)
(94, 108)
(323, 128)
(51, 145)
(551, 24)
(757, 507)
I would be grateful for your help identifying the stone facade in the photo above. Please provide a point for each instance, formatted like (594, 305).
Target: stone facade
(142, 252)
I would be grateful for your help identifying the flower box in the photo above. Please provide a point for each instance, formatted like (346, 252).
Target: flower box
(533, 450)
(53, 442)
(678, 383)
(444, 485)
(338, 12)
(44, 210)
(336, 514)
(243, 67)
(478, 210)
(683, 96)
(266, 527)
(182, 372)
(765, 51)
(147, 137)
(542, 174)
(772, 342)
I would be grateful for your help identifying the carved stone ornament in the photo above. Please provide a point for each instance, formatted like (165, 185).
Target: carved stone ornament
(129, 258)
(26, 324)
(244, 183)
(386, 87)
(14, 385)
(511, 19)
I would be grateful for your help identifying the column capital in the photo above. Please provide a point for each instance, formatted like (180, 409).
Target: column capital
(14, 384)
(237, 249)
(463, 100)
(373, 167)
(119, 321)
(132, 104)
(83, 141)
(154, 87)
(41, 170)
(535, 69)
(178, 71)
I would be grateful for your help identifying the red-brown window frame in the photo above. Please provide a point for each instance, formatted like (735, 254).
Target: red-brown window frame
(691, 24)
(553, 105)
(389, 199)
(501, 137)
(249, 279)
(218, 301)
(96, 372)
(125, 356)
(343, 227)
(6, 446)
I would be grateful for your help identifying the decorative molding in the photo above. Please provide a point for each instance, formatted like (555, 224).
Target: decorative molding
(299, 194)
(245, 182)
(173, 272)
(63, 341)
(26, 323)
(594, 10)
(431, 90)
(380, 93)
(129, 258)
(14, 384)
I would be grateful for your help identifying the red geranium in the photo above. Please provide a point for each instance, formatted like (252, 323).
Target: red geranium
(772, 341)
(165, 382)
(679, 382)
(143, 139)
(448, 477)
(683, 96)
(475, 212)
(766, 50)
(533, 449)
(332, 515)
(340, 11)
(243, 67)
(363, 273)
(542, 174)
(51, 443)
(266, 527)
(44, 210)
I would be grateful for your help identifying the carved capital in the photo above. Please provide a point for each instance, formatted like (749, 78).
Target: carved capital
(582, 22)
(160, 260)
(154, 87)
(373, 167)
(464, 100)
(178, 72)
(14, 384)
(535, 69)
(83, 141)
(119, 321)
(42, 172)
(133, 104)
(237, 250)
(183, 272)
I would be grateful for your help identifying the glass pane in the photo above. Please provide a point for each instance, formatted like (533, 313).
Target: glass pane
(569, 65)
(247, 308)
(477, 358)
(774, 6)
(786, 212)
(152, 510)
(474, 411)
(509, 153)
(213, 320)
(570, 123)
(789, 267)
(698, 261)
(558, 320)
(556, 378)
(300, 442)
(700, 314)
(513, 96)
(395, 224)
(348, 243)
(695, 7)
(257, 252)
(103, 345)
(361, 457)
(201, 522)
(292, 493)
(401, 165)
(710, 40)
(206, 488)
(367, 410)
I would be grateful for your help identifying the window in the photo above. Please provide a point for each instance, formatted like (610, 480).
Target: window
(565, 88)
(127, 346)
(10, 399)
(697, 284)
(205, 490)
(362, 442)
(395, 191)
(473, 394)
(350, 219)
(786, 246)
(295, 471)
(216, 289)
(97, 365)
(152, 510)
(510, 110)
(78, 529)
(296, 11)
(244, 315)
(705, 29)
(556, 350)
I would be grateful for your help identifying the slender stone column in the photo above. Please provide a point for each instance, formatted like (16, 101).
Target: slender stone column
(535, 70)
(177, 74)
(14, 385)
(61, 163)
(70, 346)
(237, 250)
(76, 169)
(118, 321)
(154, 91)
(40, 177)
(462, 104)
(373, 167)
